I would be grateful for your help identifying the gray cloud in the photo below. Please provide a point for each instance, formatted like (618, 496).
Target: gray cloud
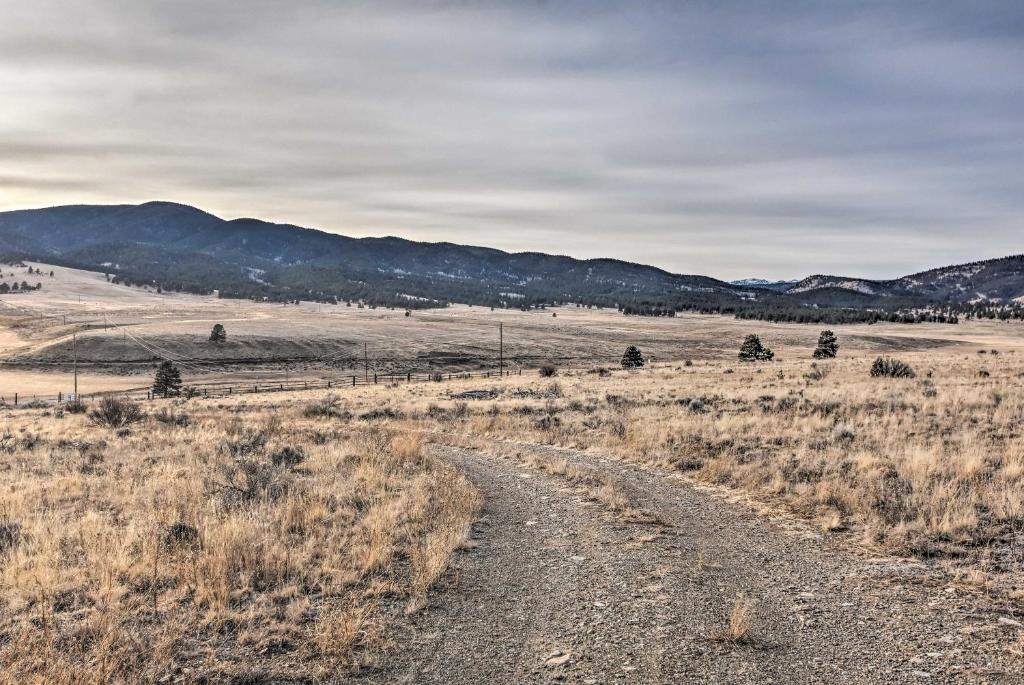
(723, 138)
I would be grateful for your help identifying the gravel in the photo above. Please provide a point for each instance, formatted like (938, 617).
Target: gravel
(557, 589)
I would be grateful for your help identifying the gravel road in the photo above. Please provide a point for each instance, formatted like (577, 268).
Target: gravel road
(557, 589)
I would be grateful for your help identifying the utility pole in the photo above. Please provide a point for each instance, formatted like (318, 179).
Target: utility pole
(366, 363)
(74, 345)
(501, 349)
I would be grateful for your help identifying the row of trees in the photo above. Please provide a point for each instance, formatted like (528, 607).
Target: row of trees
(37, 272)
(752, 350)
(14, 288)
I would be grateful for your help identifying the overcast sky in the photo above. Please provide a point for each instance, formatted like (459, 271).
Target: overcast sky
(768, 139)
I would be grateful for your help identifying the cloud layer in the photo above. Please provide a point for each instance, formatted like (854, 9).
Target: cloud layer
(864, 138)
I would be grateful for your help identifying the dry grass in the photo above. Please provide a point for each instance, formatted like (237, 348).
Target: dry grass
(592, 483)
(738, 629)
(930, 466)
(246, 541)
(308, 557)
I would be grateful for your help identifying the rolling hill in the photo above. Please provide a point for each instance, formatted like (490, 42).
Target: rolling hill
(180, 247)
(994, 280)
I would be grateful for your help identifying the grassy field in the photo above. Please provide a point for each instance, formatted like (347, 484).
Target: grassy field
(294, 532)
(214, 544)
(123, 332)
(930, 466)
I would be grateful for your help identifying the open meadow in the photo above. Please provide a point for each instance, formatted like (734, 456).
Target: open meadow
(700, 518)
(123, 333)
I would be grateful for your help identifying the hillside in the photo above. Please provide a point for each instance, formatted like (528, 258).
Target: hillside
(994, 280)
(184, 248)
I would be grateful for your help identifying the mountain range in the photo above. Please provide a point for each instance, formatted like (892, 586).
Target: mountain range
(181, 247)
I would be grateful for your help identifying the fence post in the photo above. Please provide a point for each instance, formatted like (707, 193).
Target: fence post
(408, 377)
(255, 389)
(375, 378)
(16, 398)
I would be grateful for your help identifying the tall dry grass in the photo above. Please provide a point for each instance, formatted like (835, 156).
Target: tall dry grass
(928, 466)
(244, 541)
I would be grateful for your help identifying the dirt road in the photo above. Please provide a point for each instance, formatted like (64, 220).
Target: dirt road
(557, 589)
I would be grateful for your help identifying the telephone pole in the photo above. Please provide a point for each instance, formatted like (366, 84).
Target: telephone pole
(74, 345)
(501, 349)
(366, 363)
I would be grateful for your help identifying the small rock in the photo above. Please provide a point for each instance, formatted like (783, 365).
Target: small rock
(921, 674)
(1003, 621)
(557, 660)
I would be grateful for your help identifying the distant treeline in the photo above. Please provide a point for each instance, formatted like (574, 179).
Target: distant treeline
(164, 270)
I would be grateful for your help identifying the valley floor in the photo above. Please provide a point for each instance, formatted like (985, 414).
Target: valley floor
(699, 520)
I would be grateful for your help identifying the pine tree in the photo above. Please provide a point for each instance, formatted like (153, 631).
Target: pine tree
(168, 380)
(632, 359)
(828, 346)
(752, 350)
(218, 334)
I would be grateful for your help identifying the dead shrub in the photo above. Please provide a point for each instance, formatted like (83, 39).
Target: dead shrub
(244, 480)
(75, 406)
(891, 368)
(288, 456)
(248, 443)
(10, 535)
(116, 413)
(325, 408)
(181, 535)
(169, 417)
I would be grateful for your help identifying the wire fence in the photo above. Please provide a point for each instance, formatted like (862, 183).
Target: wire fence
(502, 365)
(232, 388)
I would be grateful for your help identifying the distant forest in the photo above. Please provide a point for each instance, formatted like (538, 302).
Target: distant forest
(202, 275)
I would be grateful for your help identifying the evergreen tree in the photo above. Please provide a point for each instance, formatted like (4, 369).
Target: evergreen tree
(168, 380)
(752, 350)
(828, 346)
(632, 359)
(218, 334)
